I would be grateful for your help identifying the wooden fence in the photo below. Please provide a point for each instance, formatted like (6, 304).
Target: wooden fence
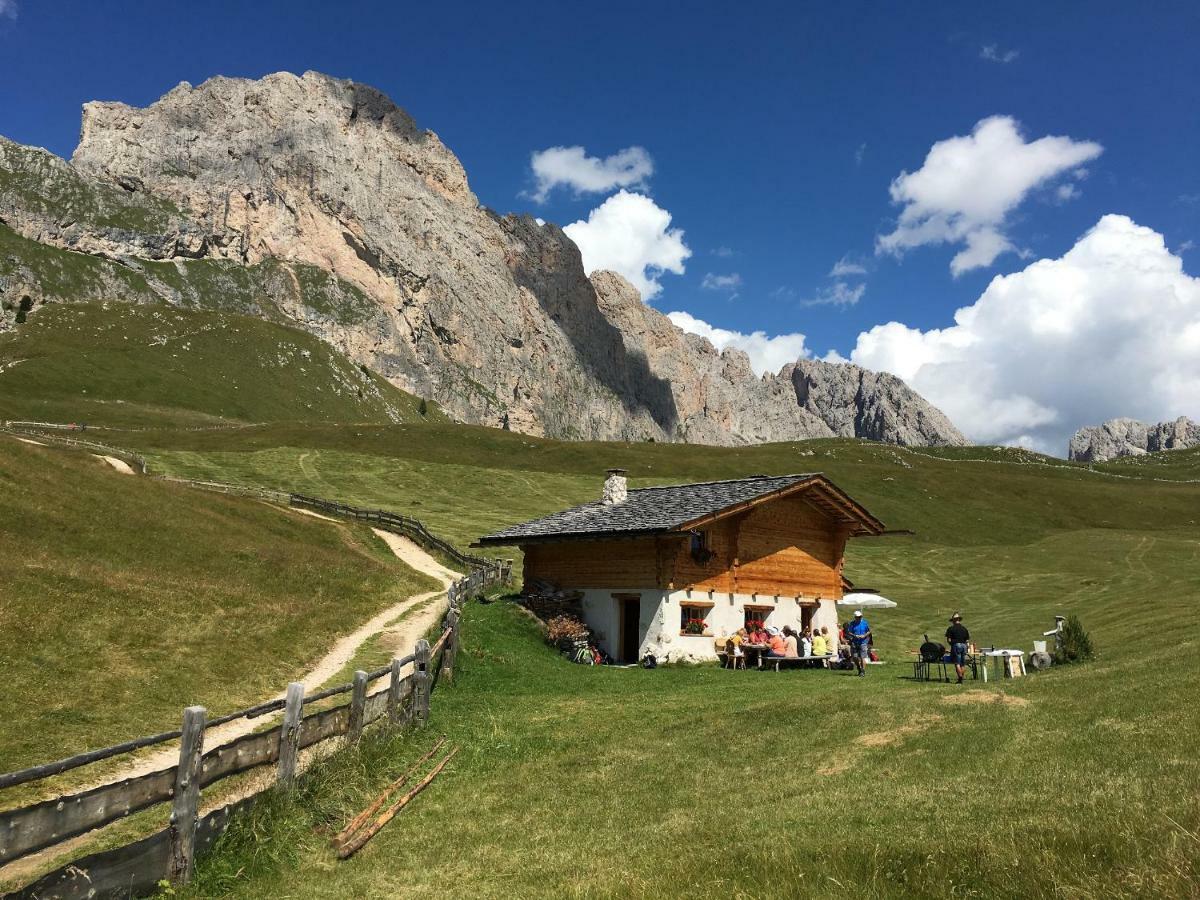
(412, 528)
(28, 430)
(138, 867)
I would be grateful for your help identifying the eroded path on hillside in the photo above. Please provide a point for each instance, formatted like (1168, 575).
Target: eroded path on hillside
(399, 635)
(399, 626)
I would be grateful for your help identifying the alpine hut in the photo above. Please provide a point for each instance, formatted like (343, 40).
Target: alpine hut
(666, 570)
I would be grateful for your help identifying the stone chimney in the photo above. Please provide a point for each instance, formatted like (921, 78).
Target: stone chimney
(615, 490)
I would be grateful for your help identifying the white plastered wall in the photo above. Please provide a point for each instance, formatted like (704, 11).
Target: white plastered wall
(658, 627)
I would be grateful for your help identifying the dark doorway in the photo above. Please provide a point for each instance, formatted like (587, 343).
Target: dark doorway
(630, 607)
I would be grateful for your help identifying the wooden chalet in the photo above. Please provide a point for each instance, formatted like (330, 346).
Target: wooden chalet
(668, 570)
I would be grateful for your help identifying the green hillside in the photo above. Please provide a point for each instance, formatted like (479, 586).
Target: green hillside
(604, 782)
(125, 599)
(123, 364)
(1062, 782)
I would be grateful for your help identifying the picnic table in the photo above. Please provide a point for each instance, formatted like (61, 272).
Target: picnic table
(760, 651)
(779, 661)
(757, 651)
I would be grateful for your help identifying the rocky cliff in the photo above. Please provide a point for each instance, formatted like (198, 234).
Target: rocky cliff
(1129, 437)
(492, 316)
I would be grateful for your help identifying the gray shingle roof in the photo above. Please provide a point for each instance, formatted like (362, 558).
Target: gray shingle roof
(646, 510)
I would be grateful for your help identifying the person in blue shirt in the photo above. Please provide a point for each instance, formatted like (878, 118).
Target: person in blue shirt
(859, 633)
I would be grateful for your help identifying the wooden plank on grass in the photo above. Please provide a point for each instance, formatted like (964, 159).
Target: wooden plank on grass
(323, 725)
(134, 870)
(377, 706)
(238, 756)
(32, 828)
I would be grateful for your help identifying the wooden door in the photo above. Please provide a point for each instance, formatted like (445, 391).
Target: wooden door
(631, 627)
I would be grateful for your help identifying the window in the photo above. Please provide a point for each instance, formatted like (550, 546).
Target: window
(700, 551)
(692, 617)
(756, 615)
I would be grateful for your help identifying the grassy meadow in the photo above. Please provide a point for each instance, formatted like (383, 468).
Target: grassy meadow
(1079, 782)
(587, 782)
(597, 782)
(125, 599)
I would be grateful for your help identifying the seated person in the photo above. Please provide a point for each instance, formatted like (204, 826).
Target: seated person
(759, 635)
(806, 643)
(791, 647)
(775, 642)
(819, 647)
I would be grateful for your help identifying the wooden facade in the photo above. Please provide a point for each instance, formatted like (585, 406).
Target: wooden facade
(785, 546)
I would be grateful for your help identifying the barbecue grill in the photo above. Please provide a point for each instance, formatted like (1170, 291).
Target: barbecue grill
(930, 654)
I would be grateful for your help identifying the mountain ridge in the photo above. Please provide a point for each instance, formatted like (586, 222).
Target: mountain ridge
(490, 315)
(1130, 437)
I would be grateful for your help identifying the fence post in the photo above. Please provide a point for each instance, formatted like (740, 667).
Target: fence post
(393, 705)
(358, 704)
(289, 735)
(451, 651)
(185, 806)
(421, 678)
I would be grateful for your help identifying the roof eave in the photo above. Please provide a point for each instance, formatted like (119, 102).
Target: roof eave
(521, 540)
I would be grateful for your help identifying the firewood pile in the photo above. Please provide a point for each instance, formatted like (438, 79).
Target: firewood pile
(546, 601)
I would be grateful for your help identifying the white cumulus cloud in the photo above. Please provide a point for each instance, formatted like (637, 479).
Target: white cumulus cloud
(631, 235)
(571, 167)
(969, 184)
(767, 354)
(1112, 328)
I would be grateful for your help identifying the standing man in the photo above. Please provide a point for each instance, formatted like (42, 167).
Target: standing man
(859, 633)
(957, 637)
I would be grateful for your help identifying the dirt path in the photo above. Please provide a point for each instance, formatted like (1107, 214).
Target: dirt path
(119, 464)
(399, 633)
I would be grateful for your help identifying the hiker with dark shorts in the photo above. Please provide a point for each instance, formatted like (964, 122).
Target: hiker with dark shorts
(859, 633)
(957, 637)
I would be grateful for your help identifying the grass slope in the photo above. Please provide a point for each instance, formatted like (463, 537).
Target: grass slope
(583, 782)
(579, 782)
(122, 364)
(125, 599)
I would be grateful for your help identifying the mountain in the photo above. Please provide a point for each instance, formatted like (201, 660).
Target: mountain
(319, 202)
(1129, 437)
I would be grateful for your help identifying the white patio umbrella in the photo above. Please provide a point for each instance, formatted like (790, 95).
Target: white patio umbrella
(863, 599)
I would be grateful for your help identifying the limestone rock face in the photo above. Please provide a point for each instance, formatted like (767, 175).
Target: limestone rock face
(491, 316)
(1129, 437)
(856, 402)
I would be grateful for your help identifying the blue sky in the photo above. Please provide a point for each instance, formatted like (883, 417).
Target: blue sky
(774, 132)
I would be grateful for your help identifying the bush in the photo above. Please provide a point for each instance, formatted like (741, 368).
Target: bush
(1075, 645)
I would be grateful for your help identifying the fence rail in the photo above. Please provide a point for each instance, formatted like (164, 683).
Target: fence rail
(138, 867)
(391, 521)
(33, 431)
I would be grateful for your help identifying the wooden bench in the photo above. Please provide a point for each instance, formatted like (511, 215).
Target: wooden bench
(785, 661)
